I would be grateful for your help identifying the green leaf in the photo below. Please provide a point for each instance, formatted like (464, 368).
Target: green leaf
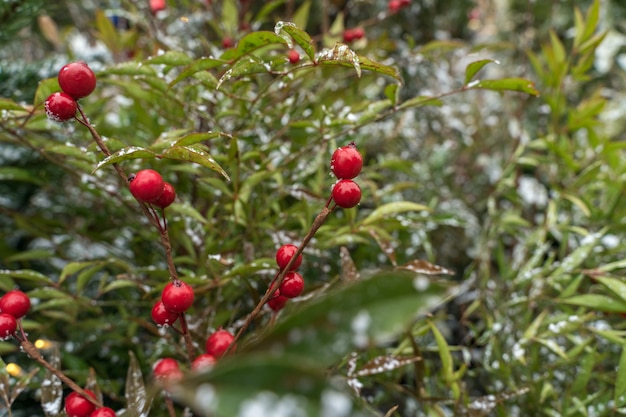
(616, 286)
(191, 154)
(420, 101)
(187, 210)
(230, 16)
(354, 315)
(290, 33)
(620, 383)
(234, 387)
(26, 274)
(246, 66)
(201, 64)
(577, 257)
(392, 209)
(447, 366)
(106, 30)
(193, 138)
(19, 174)
(301, 16)
(597, 302)
(391, 92)
(171, 58)
(6, 104)
(44, 89)
(251, 42)
(30, 255)
(132, 152)
(369, 65)
(130, 68)
(505, 84)
(472, 69)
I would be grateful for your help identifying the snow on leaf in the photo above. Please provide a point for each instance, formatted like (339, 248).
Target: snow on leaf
(421, 266)
(193, 154)
(340, 54)
(131, 152)
(387, 363)
(289, 31)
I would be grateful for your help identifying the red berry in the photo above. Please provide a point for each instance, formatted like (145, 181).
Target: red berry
(157, 5)
(8, 326)
(346, 193)
(394, 6)
(147, 185)
(78, 406)
(162, 316)
(346, 162)
(167, 369)
(358, 33)
(60, 107)
(204, 361)
(167, 197)
(177, 296)
(277, 303)
(293, 56)
(228, 43)
(218, 342)
(15, 303)
(103, 412)
(284, 255)
(348, 35)
(77, 79)
(292, 285)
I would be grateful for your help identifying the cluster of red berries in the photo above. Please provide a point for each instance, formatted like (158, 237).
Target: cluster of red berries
(293, 283)
(354, 34)
(76, 80)
(13, 306)
(168, 369)
(176, 298)
(77, 405)
(395, 5)
(148, 186)
(346, 163)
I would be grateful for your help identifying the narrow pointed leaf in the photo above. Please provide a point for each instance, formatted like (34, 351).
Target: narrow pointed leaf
(506, 84)
(193, 138)
(251, 42)
(392, 209)
(472, 69)
(26, 274)
(201, 64)
(357, 314)
(191, 154)
(6, 104)
(597, 302)
(132, 152)
(245, 66)
(373, 66)
(256, 385)
(420, 101)
(130, 68)
(290, 31)
(171, 58)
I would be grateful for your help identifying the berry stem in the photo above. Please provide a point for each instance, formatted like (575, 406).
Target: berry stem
(170, 406)
(151, 215)
(33, 353)
(317, 223)
(187, 336)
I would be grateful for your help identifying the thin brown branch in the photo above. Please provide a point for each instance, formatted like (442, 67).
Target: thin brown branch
(34, 354)
(317, 223)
